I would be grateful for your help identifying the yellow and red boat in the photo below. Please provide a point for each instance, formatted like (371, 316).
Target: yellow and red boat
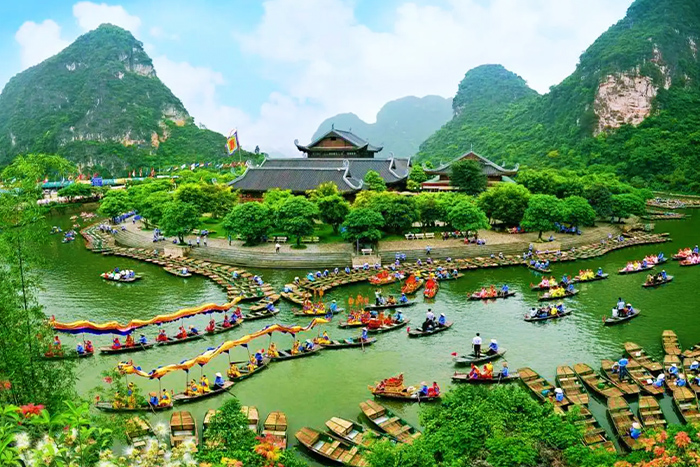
(412, 284)
(431, 288)
(382, 278)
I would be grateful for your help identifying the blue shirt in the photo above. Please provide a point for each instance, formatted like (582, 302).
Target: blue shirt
(334, 307)
(504, 371)
(80, 348)
(364, 334)
(143, 340)
(623, 362)
(504, 289)
(442, 320)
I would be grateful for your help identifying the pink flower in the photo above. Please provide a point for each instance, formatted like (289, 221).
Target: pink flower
(30, 410)
(108, 379)
(682, 439)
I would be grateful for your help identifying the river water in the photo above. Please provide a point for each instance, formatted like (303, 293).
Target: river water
(332, 383)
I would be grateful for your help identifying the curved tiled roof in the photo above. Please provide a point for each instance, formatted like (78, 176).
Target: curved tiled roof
(490, 168)
(351, 138)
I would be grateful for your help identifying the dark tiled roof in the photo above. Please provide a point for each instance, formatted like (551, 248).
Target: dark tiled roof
(301, 174)
(490, 168)
(352, 138)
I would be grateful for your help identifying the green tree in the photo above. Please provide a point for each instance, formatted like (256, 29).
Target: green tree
(194, 194)
(417, 174)
(332, 210)
(626, 205)
(296, 217)
(467, 216)
(468, 176)
(151, 208)
(374, 181)
(220, 199)
(576, 211)
(36, 167)
(399, 212)
(362, 225)
(179, 219)
(541, 213)
(430, 210)
(541, 182)
(600, 199)
(274, 199)
(76, 189)
(323, 190)
(506, 202)
(249, 220)
(113, 206)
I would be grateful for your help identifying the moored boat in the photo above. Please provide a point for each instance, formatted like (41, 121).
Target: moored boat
(567, 380)
(628, 388)
(595, 382)
(182, 428)
(687, 368)
(650, 413)
(126, 348)
(108, 406)
(330, 449)
(687, 404)
(350, 342)
(482, 358)
(622, 419)
(353, 433)
(542, 389)
(669, 340)
(182, 398)
(138, 430)
(243, 371)
(639, 354)
(251, 414)
(644, 378)
(434, 330)
(385, 420)
(275, 427)
(254, 315)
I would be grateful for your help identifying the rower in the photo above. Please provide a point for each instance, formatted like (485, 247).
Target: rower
(696, 250)
(663, 274)
(218, 381)
(558, 394)
(80, 349)
(659, 381)
(333, 307)
(398, 318)
(570, 288)
(129, 341)
(673, 370)
(565, 279)
(476, 344)
(695, 366)
(622, 367)
(364, 336)
(504, 290)
(680, 381)
(403, 299)
(259, 359)
(600, 272)
(143, 340)
(493, 347)
(270, 307)
(635, 430)
(153, 399)
(504, 371)
(442, 321)
(193, 331)
(620, 304)
(629, 310)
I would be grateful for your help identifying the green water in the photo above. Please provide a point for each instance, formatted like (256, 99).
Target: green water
(332, 383)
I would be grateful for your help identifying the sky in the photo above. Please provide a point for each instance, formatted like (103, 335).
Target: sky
(275, 69)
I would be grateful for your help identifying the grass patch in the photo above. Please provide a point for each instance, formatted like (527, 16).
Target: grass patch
(294, 246)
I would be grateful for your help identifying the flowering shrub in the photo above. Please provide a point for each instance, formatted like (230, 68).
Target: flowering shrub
(676, 446)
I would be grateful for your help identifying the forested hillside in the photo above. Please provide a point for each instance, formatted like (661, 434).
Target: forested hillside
(629, 107)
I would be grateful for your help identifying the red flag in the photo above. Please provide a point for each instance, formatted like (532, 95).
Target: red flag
(454, 354)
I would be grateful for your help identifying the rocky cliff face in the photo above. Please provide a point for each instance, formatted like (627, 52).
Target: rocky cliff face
(623, 99)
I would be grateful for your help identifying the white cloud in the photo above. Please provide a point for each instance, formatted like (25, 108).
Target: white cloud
(159, 33)
(90, 15)
(39, 41)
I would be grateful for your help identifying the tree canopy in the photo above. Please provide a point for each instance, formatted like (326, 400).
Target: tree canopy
(505, 202)
(374, 181)
(541, 213)
(251, 221)
(179, 219)
(296, 217)
(466, 216)
(468, 176)
(332, 210)
(363, 225)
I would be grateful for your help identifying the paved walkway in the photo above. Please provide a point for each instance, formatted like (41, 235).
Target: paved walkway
(327, 255)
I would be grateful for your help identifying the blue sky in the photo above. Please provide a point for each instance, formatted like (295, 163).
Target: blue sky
(276, 69)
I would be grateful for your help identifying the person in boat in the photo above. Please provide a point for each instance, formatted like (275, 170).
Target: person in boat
(534, 312)
(237, 314)
(80, 349)
(558, 394)
(620, 304)
(259, 359)
(474, 372)
(143, 340)
(272, 350)
(442, 321)
(600, 272)
(694, 367)
(129, 341)
(565, 280)
(333, 307)
(681, 380)
(56, 345)
(644, 263)
(165, 400)
(295, 347)
(389, 320)
(193, 331)
(664, 276)
(434, 390)
(651, 279)
(629, 310)
(622, 368)
(553, 311)
(162, 336)
(308, 346)
(211, 326)
(391, 300)
(423, 391)
(476, 345)
(116, 344)
(504, 290)
(192, 388)
(226, 323)
(398, 318)
(659, 381)
(324, 339)
(673, 371)
(488, 371)
(182, 333)
(570, 288)
(153, 399)
(131, 395)
(118, 401)
(493, 347)
(504, 371)
(89, 347)
(428, 324)
(218, 381)
(204, 384)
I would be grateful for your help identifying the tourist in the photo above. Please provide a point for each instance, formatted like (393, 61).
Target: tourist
(88, 347)
(622, 368)
(211, 326)
(80, 349)
(162, 337)
(474, 372)
(116, 344)
(198, 240)
(476, 344)
(182, 333)
(204, 384)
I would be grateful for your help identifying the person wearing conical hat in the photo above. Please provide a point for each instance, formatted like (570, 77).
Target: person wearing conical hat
(635, 430)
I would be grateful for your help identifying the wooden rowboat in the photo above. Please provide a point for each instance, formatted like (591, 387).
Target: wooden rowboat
(650, 413)
(575, 280)
(138, 431)
(353, 433)
(109, 407)
(245, 374)
(182, 428)
(476, 296)
(207, 421)
(182, 398)
(318, 313)
(657, 283)
(412, 286)
(385, 420)
(385, 328)
(353, 324)
(177, 340)
(644, 378)
(219, 327)
(336, 451)
(126, 349)
(639, 354)
(351, 342)
(275, 427)
(686, 404)
(431, 288)
(686, 263)
(595, 382)
(124, 280)
(627, 388)
(177, 272)
(287, 354)
(390, 306)
(567, 380)
(405, 395)
(70, 355)
(622, 419)
(669, 340)
(541, 388)
(548, 296)
(255, 315)
(634, 271)
(262, 304)
(610, 321)
(251, 414)
(695, 387)
(420, 333)
(483, 358)
(464, 378)
(542, 270)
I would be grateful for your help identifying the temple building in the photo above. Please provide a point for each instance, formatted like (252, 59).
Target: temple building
(439, 178)
(337, 156)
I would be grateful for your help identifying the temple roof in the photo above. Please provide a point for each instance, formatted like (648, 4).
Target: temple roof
(300, 174)
(490, 168)
(354, 142)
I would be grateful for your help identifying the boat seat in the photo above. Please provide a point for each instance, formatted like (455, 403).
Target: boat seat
(393, 420)
(403, 429)
(381, 420)
(318, 445)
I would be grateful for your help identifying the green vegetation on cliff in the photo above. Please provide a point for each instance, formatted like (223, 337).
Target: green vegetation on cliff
(655, 44)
